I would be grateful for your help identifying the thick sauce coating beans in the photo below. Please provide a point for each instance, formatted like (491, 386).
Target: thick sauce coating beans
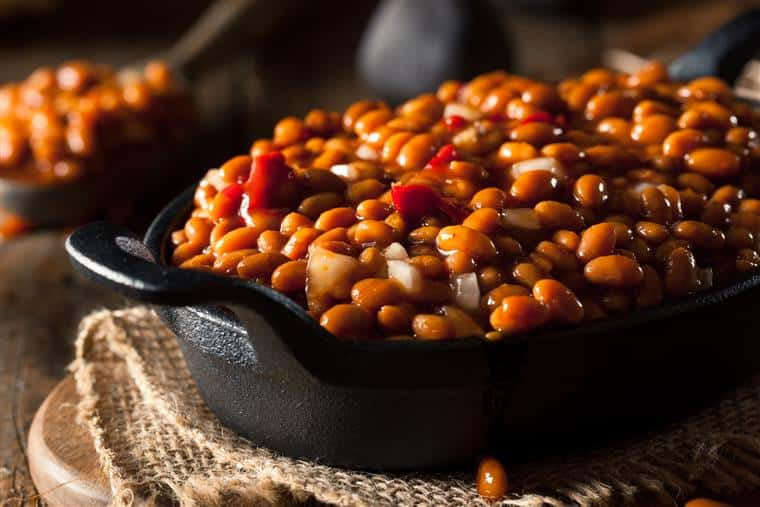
(492, 208)
(61, 123)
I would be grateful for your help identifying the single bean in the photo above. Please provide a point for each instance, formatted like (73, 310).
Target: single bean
(346, 321)
(568, 239)
(713, 162)
(237, 239)
(491, 480)
(680, 272)
(558, 215)
(373, 233)
(590, 190)
(372, 293)
(298, 244)
(259, 266)
(527, 273)
(652, 232)
(562, 303)
(290, 276)
(699, 234)
(616, 271)
(271, 241)
(518, 314)
(294, 221)
(432, 327)
(534, 186)
(458, 238)
(395, 319)
(485, 220)
(597, 241)
(489, 197)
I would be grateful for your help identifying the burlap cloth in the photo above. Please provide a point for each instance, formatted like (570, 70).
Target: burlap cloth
(158, 443)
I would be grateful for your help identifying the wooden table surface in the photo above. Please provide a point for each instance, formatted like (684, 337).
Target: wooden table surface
(41, 303)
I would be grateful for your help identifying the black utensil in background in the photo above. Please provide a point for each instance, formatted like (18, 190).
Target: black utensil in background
(411, 46)
(732, 52)
(724, 53)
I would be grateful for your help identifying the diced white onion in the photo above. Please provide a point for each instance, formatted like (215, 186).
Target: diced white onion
(549, 164)
(214, 178)
(366, 152)
(521, 218)
(408, 276)
(347, 172)
(466, 112)
(467, 291)
(329, 273)
(395, 251)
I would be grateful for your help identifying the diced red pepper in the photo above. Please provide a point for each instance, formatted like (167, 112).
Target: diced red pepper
(234, 192)
(442, 159)
(560, 120)
(455, 122)
(497, 117)
(540, 116)
(415, 201)
(268, 173)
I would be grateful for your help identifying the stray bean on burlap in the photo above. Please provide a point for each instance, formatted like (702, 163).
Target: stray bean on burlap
(159, 444)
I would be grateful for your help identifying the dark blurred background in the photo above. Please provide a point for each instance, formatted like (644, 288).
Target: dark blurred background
(308, 57)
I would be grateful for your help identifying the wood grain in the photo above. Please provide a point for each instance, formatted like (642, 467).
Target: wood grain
(41, 303)
(62, 459)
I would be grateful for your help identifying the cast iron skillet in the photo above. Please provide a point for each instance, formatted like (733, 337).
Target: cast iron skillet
(271, 373)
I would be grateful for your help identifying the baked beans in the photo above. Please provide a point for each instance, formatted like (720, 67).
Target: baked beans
(79, 118)
(494, 208)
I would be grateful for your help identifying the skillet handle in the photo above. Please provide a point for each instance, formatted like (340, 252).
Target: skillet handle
(115, 257)
(724, 52)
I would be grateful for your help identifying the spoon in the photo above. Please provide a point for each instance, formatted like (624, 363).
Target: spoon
(411, 46)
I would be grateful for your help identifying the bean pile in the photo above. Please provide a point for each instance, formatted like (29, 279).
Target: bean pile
(491, 208)
(62, 123)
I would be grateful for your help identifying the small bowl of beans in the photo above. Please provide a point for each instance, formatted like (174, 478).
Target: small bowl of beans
(468, 267)
(70, 135)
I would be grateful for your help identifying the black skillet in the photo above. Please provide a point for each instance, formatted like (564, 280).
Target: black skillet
(271, 373)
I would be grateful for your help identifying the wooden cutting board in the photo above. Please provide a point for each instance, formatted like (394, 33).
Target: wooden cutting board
(62, 459)
(65, 468)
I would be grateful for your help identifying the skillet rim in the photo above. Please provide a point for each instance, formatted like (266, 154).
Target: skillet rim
(157, 235)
